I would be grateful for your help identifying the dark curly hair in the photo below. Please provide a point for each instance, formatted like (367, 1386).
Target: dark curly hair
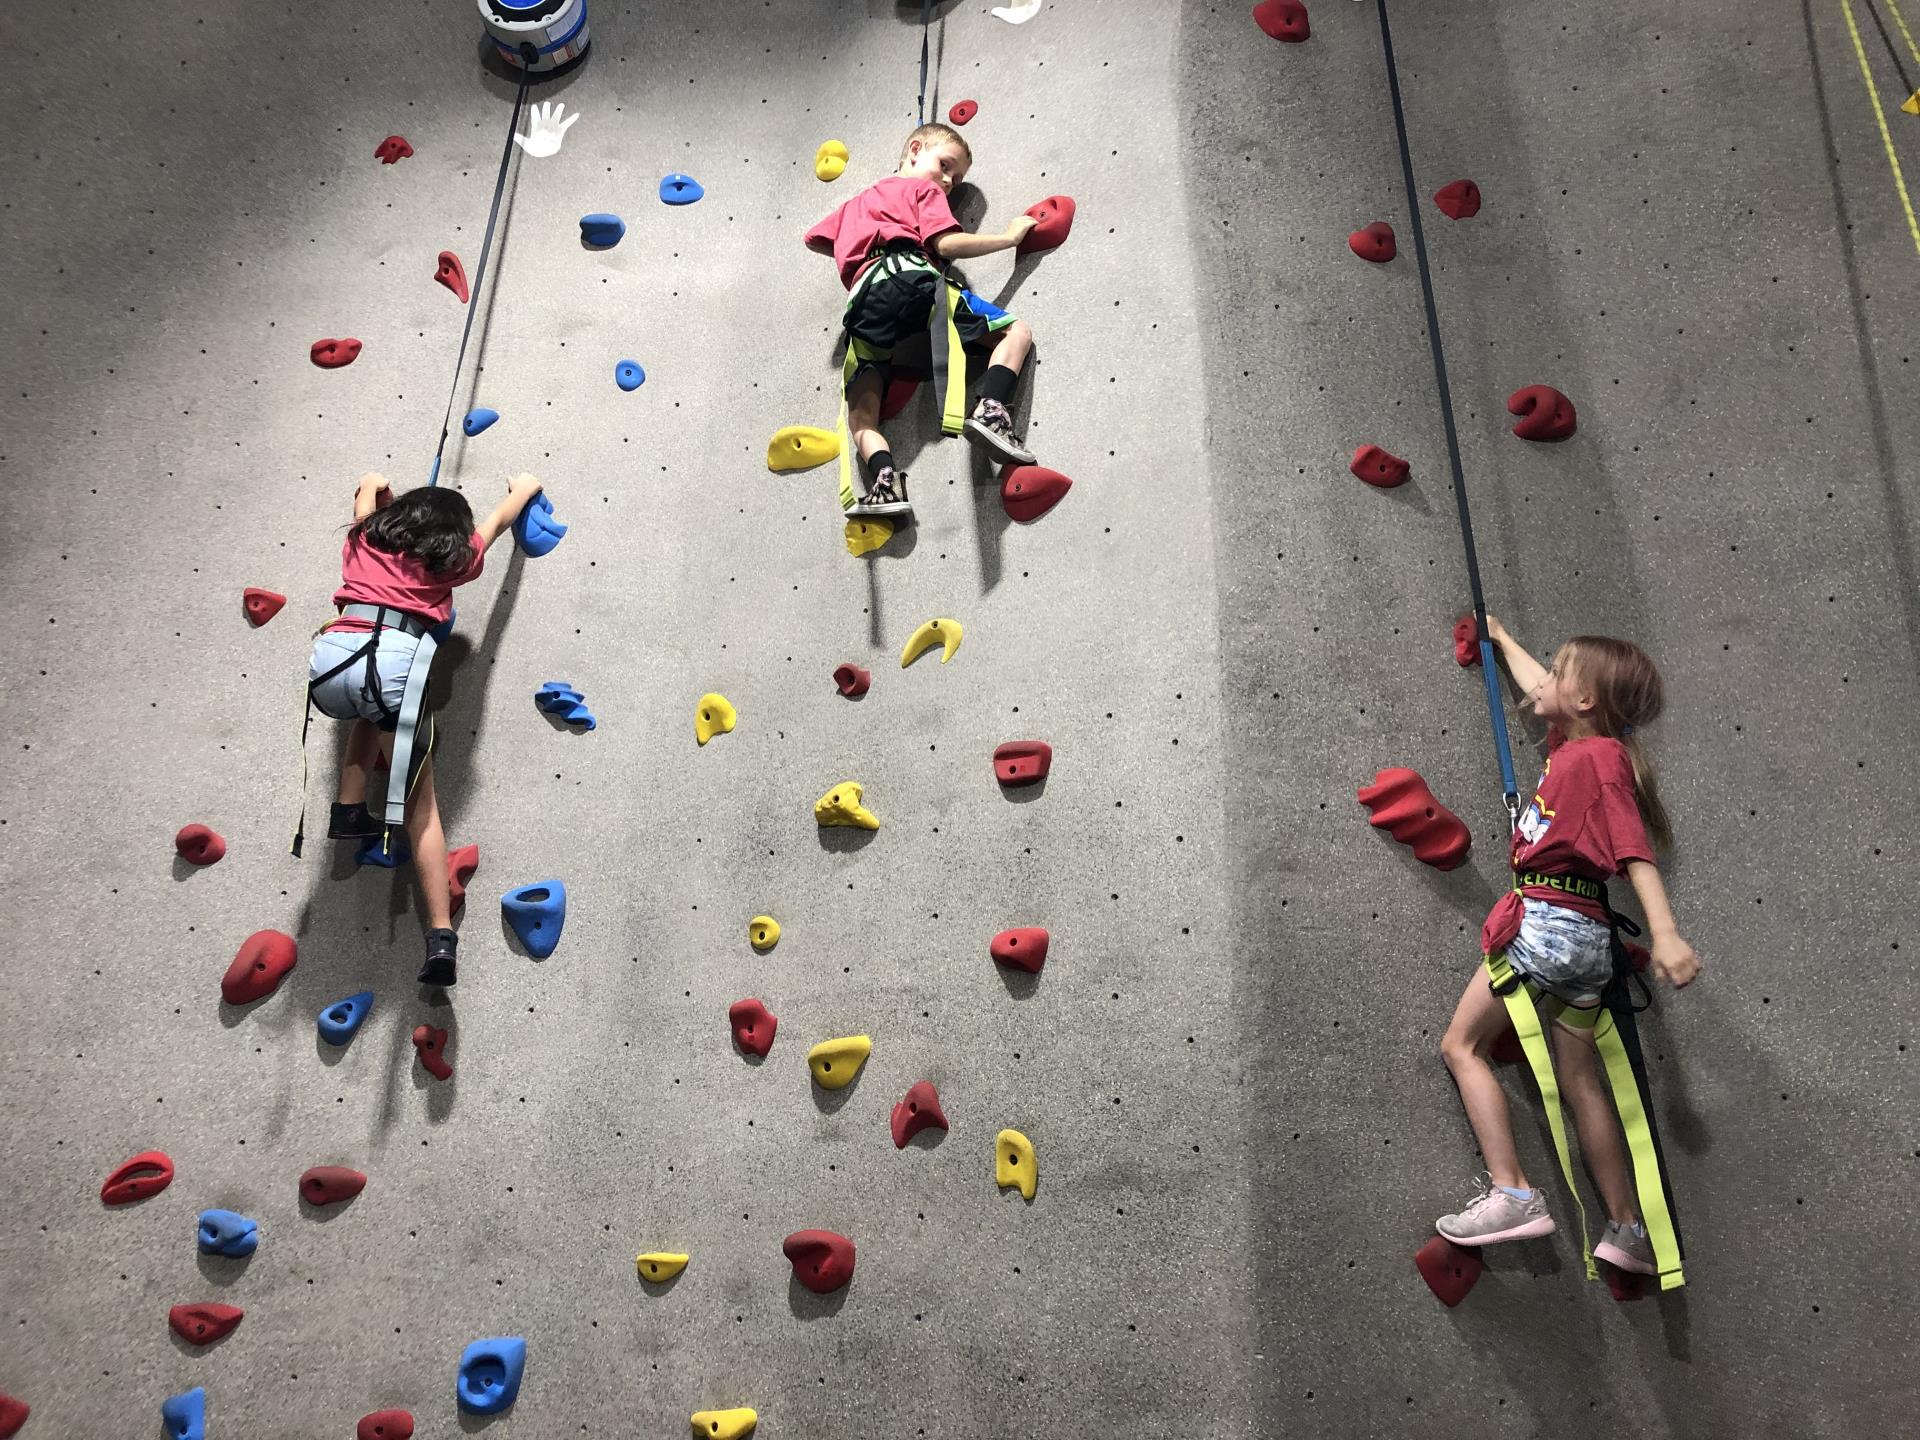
(431, 524)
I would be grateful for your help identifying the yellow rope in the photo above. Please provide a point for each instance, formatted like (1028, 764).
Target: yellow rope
(1880, 117)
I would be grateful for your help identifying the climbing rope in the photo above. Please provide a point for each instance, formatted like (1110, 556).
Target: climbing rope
(480, 271)
(1496, 711)
(926, 21)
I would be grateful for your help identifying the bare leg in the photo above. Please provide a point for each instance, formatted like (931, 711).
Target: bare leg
(1477, 1020)
(429, 850)
(363, 743)
(863, 415)
(1016, 343)
(1593, 1117)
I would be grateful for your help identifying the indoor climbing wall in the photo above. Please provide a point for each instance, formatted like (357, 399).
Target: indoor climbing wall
(229, 228)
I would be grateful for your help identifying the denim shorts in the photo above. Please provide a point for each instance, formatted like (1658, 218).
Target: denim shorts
(1567, 954)
(346, 696)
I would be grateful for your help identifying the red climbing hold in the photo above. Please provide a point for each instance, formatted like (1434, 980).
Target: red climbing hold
(452, 274)
(1379, 467)
(822, 1260)
(1545, 414)
(753, 1026)
(1029, 491)
(920, 1109)
(430, 1042)
(1624, 1284)
(899, 395)
(1055, 222)
(1505, 1049)
(264, 959)
(13, 1414)
(1459, 200)
(1639, 955)
(394, 147)
(1024, 948)
(1282, 19)
(963, 111)
(1403, 806)
(461, 864)
(330, 1184)
(1374, 243)
(385, 1425)
(198, 845)
(1022, 762)
(260, 605)
(204, 1323)
(147, 1173)
(1466, 641)
(332, 354)
(1448, 1269)
(851, 680)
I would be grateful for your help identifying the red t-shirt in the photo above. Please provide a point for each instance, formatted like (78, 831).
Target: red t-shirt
(400, 582)
(900, 207)
(1583, 820)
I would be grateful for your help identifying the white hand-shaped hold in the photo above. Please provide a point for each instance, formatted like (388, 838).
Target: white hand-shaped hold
(1018, 14)
(545, 129)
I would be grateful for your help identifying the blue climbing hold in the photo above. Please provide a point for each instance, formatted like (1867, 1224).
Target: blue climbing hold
(339, 1020)
(478, 419)
(536, 913)
(224, 1233)
(441, 631)
(535, 530)
(490, 1372)
(601, 231)
(556, 697)
(185, 1414)
(396, 853)
(678, 189)
(628, 375)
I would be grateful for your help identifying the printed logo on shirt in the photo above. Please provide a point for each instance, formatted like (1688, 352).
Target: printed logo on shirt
(1538, 818)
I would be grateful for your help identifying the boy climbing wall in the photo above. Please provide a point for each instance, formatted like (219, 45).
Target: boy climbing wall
(890, 243)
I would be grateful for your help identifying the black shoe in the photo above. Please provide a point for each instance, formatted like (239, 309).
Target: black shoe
(352, 822)
(443, 948)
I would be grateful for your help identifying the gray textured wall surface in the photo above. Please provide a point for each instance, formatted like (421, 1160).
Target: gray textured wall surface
(1229, 1065)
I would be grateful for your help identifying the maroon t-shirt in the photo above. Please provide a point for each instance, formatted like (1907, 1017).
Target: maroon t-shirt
(400, 582)
(900, 207)
(1583, 820)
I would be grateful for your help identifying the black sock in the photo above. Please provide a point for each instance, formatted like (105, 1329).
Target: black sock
(999, 383)
(878, 461)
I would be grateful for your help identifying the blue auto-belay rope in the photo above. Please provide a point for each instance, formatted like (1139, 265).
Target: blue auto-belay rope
(1495, 710)
(480, 272)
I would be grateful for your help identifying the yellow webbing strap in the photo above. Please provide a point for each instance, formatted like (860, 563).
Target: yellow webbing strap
(1646, 1156)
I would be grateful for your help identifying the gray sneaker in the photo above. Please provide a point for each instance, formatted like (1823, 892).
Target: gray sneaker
(1626, 1247)
(886, 496)
(991, 429)
(1493, 1216)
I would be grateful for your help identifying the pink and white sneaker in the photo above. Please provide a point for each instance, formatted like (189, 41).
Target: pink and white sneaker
(1493, 1216)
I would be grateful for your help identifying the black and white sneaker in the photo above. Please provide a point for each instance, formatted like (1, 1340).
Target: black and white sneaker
(990, 428)
(352, 822)
(443, 948)
(887, 496)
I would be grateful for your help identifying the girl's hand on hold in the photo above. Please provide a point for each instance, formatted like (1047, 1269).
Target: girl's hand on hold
(1674, 960)
(524, 485)
(1496, 632)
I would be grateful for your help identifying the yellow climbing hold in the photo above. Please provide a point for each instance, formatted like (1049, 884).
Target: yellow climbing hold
(945, 633)
(835, 1062)
(764, 932)
(830, 160)
(801, 447)
(659, 1265)
(841, 806)
(1912, 107)
(1013, 1163)
(725, 1424)
(866, 535)
(714, 715)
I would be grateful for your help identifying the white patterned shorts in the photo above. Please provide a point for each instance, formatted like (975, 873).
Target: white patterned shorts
(1567, 954)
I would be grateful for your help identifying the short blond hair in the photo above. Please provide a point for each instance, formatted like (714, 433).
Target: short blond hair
(935, 133)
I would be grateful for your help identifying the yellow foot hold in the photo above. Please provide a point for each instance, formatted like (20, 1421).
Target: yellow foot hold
(763, 932)
(830, 160)
(714, 715)
(867, 535)
(1912, 107)
(725, 1424)
(944, 633)
(659, 1265)
(841, 806)
(1013, 1163)
(801, 447)
(835, 1062)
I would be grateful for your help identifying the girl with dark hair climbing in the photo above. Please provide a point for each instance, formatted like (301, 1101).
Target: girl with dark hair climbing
(398, 568)
(1596, 813)
(890, 244)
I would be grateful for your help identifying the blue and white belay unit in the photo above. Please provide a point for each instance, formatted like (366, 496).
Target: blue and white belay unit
(555, 29)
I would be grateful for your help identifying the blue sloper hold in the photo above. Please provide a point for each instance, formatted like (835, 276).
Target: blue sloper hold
(340, 1020)
(678, 189)
(490, 1372)
(224, 1233)
(537, 913)
(185, 1415)
(628, 375)
(397, 851)
(478, 419)
(556, 697)
(601, 230)
(535, 530)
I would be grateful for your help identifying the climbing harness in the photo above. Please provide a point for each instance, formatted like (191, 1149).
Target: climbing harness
(408, 751)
